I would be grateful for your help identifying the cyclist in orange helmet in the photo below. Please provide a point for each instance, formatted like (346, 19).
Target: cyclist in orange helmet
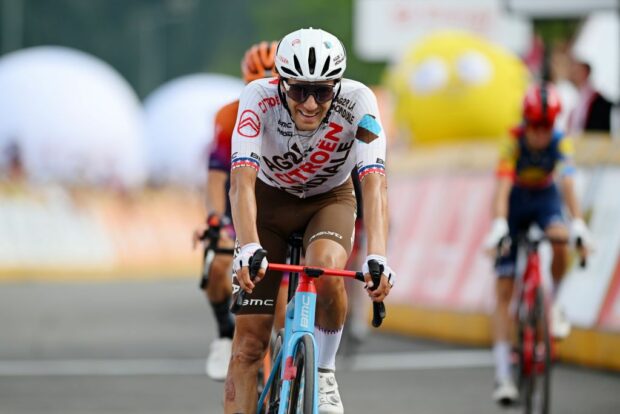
(257, 63)
(532, 161)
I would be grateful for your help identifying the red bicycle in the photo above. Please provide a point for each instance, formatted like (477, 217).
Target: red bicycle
(534, 351)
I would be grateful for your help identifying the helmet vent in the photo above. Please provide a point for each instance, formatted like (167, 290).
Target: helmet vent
(311, 60)
(326, 66)
(288, 71)
(334, 72)
(297, 66)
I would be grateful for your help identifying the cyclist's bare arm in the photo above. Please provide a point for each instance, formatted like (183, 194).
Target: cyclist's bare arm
(374, 196)
(243, 206)
(216, 192)
(501, 197)
(216, 201)
(570, 198)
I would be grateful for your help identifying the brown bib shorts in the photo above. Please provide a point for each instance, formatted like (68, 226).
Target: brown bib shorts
(330, 215)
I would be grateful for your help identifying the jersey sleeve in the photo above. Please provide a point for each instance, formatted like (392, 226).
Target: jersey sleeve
(508, 155)
(566, 151)
(219, 154)
(247, 135)
(370, 136)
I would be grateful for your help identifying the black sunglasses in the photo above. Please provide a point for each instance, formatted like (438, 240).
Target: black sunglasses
(300, 92)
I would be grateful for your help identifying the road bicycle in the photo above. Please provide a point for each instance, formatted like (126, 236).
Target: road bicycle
(534, 351)
(292, 385)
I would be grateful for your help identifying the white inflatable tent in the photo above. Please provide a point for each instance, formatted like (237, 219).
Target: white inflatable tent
(74, 118)
(179, 125)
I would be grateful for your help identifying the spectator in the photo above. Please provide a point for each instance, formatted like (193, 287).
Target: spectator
(12, 164)
(592, 112)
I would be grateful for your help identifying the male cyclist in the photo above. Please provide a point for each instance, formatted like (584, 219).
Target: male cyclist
(526, 193)
(301, 135)
(257, 63)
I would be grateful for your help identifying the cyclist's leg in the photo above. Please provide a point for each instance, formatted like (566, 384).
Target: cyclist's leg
(219, 289)
(281, 306)
(331, 298)
(278, 215)
(328, 240)
(559, 262)
(250, 343)
(550, 218)
(505, 390)
(253, 330)
(502, 318)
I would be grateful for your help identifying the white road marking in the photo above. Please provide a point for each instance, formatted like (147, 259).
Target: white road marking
(101, 367)
(135, 367)
(422, 360)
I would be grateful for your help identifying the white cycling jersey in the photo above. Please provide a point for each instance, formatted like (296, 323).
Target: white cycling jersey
(306, 163)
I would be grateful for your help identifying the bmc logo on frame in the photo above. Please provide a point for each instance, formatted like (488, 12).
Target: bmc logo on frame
(249, 124)
(257, 302)
(304, 320)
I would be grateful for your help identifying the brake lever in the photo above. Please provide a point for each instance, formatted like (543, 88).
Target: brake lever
(378, 308)
(254, 267)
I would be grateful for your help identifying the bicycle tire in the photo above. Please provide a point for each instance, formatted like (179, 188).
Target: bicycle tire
(539, 386)
(273, 402)
(303, 359)
(536, 384)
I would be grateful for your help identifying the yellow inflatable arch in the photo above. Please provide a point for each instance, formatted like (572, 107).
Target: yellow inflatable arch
(455, 86)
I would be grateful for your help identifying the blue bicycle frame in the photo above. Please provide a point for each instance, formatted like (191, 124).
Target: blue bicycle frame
(299, 321)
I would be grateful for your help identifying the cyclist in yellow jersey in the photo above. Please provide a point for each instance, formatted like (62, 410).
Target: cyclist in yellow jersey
(530, 163)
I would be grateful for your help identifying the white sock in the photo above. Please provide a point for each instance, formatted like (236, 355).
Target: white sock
(501, 355)
(327, 341)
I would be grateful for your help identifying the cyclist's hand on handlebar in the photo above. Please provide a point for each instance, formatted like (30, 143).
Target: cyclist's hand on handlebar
(580, 235)
(198, 236)
(499, 231)
(379, 294)
(241, 267)
(582, 239)
(387, 279)
(213, 221)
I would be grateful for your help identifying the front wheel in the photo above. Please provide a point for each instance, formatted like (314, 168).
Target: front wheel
(274, 391)
(301, 398)
(536, 385)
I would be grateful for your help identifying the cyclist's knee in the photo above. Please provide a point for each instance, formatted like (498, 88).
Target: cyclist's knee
(560, 250)
(557, 231)
(331, 291)
(249, 347)
(326, 253)
(504, 290)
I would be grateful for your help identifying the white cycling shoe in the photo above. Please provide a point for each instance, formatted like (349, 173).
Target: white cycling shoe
(560, 325)
(505, 393)
(329, 397)
(218, 359)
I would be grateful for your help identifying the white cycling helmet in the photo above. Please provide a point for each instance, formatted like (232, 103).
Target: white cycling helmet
(311, 55)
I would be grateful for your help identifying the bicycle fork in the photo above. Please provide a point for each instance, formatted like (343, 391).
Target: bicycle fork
(300, 314)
